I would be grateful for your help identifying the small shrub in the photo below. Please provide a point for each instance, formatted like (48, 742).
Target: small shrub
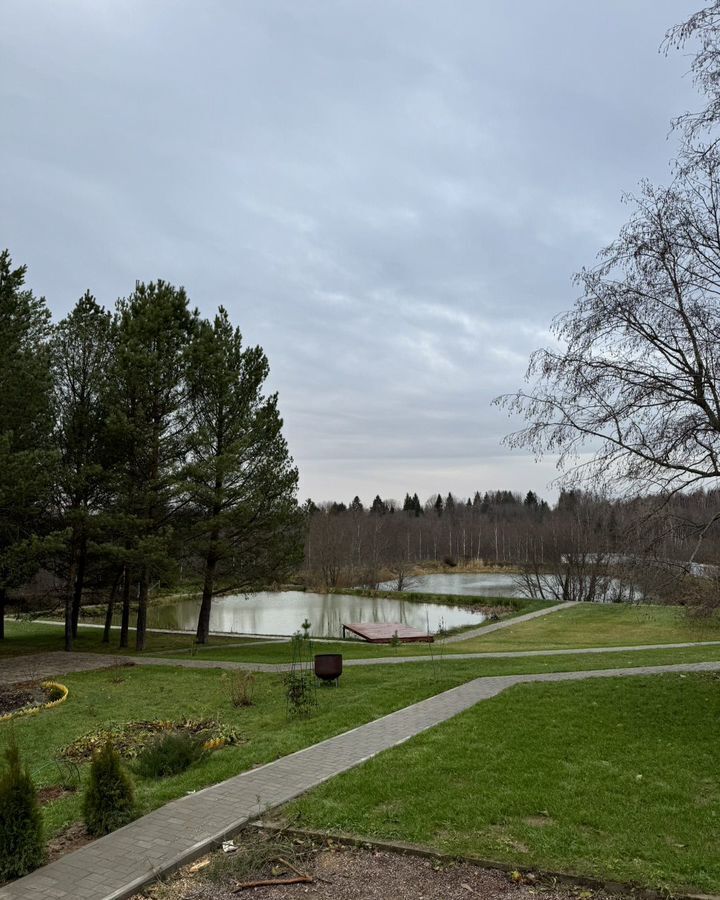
(69, 774)
(22, 848)
(241, 687)
(300, 693)
(169, 755)
(109, 799)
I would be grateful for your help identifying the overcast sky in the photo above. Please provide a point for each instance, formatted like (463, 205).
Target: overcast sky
(390, 196)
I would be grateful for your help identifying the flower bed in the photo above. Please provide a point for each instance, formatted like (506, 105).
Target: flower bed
(29, 699)
(129, 738)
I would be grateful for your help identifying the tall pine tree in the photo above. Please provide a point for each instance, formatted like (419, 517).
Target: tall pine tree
(26, 456)
(81, 352)
(149, 390)
(240, 481)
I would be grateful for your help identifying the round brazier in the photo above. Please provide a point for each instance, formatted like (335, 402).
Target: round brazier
(328, 666)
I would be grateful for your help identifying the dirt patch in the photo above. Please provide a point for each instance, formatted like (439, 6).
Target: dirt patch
(539, 821)
(339, 872)
(73, 838)
(494, 613)
(55, 792)
(15, 697)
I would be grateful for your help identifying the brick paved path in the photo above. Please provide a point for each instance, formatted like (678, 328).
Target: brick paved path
(399, 660)
(116, 866)
(482, 630)
(47, 665)
(54, 662)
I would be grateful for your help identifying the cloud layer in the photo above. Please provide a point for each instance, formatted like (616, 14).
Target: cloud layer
(389, 195)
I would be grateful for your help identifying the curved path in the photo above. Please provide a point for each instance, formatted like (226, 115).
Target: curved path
(118, 865)
(482, 630)
(57, 662)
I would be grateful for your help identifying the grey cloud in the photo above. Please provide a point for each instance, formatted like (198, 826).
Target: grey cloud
(389, 195)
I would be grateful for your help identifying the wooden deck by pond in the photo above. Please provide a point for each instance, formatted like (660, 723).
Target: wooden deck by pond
(384, 632)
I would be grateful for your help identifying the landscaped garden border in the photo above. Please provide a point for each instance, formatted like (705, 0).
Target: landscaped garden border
(39, 707)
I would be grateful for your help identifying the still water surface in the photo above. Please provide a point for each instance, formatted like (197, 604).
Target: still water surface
(472, 585)
(282, 613)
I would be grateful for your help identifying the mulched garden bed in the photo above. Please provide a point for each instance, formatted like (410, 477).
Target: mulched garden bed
(129, 738)
(73, 838)
(337, 872)
(14, 697)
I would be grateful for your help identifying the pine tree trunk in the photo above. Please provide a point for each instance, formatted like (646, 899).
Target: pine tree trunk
(111, 607)
(203, 628)
(142, 610)
(68, 621)
(125, 622)
(79, 583)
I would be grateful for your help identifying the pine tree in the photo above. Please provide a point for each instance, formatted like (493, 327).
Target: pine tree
(439, 505)
(240, 480)
(378, 508)
(356, 506)
(81, 353)
(26, 457)
(149, 391)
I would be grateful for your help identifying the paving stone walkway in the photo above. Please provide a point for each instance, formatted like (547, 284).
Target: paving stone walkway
(57, 662)
(399, 660)
(54, 662)
(116, 866)
(482, 630)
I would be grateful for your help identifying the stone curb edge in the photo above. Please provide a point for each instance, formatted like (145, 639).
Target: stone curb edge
(543, 875)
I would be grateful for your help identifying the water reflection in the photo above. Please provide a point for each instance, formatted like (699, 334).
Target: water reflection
(281, 613)
(489, 585)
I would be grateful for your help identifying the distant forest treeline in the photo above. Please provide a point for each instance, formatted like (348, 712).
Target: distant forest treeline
(570, 550)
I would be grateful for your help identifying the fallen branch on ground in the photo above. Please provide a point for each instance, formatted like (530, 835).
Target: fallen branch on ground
(268, 882)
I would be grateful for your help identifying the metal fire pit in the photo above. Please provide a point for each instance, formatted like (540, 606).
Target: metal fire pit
(328, 666)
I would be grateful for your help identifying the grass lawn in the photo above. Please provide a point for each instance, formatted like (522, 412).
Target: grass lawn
(282, 653)
(586, 625)
(123, 694)
(24, 636)
(613, 625)
(519, 604)
(598, 625)
(617, 779)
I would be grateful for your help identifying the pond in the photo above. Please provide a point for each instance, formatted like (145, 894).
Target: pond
(282, 613)
(490, 585)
